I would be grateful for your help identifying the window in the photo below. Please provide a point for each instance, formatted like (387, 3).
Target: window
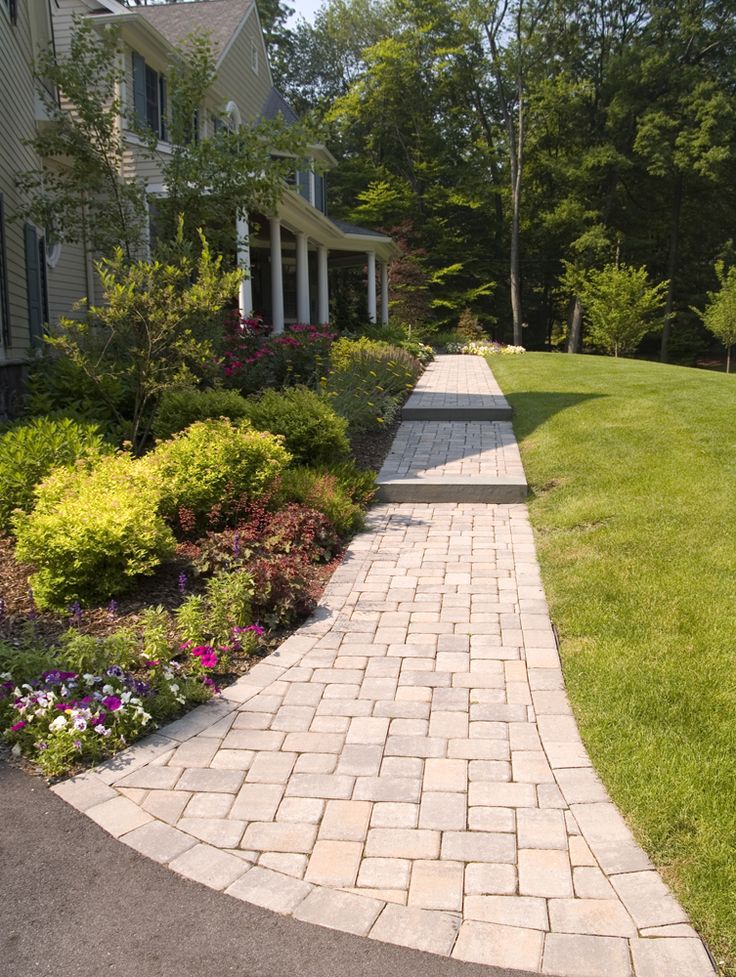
(149, 96)
(4, 303)
(12, 7)
(302, 183)
(254, 56)
(38, 298)
(319, 192)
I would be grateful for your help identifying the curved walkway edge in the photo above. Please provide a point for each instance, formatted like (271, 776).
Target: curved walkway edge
(406, 767)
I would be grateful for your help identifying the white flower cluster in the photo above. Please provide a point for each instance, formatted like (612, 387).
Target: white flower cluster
(482, 348)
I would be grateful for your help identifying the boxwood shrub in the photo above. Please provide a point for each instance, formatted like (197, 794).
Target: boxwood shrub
(313, 432)
(180, 407)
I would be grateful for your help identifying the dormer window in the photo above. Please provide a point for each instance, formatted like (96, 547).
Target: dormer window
(149, 96)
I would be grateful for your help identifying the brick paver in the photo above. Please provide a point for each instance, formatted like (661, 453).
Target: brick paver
(406, 767)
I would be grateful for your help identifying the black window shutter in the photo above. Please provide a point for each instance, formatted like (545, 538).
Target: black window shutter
(152, 96)
(35, 282)
(139, 88)
(4, 303)
(43, 279)
(13, 9)
(163, 100)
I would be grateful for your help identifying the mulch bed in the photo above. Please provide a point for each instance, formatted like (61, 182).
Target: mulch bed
(160, 589)
(370, 448)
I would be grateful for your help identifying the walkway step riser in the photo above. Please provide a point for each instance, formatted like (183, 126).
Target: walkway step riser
(424, 490)
(456, 414)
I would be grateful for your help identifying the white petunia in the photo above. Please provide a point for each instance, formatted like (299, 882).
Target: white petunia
(57, 724)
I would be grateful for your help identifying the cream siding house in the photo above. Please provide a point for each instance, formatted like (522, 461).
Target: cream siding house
(39, 280)
(288, 255)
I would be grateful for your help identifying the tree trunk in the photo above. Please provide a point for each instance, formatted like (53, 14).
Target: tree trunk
(575, 326)
(516, 172)
(728, 359)
(672, 266)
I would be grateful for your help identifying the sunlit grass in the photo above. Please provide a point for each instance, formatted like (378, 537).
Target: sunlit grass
(632, 468)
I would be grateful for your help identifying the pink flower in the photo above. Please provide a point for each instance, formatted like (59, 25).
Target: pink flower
(17, 726)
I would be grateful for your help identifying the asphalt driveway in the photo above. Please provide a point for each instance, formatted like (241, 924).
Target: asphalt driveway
(78, 903)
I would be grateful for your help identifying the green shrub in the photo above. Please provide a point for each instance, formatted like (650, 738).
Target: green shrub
(92, 532)
(178, 408)
(420, 351)
(321, 490)
(30, 449)
(396, 334)
(226, 604)
(368, 381)
(59, 385)
(446, 338)
(469, 327)
(358, 483)
(214, 463)
(312, 431)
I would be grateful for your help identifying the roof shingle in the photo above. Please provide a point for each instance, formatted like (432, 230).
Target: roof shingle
(177, 21)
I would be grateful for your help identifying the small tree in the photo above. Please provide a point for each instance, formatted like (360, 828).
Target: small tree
(619, 303)
(238, 168)
(719, 316)
(79, 190)
(156, 330)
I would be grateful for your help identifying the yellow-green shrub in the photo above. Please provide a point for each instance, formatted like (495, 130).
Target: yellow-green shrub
(321, 490)
(92, 532)
(31, 449)
(368, 381)
(215, 462)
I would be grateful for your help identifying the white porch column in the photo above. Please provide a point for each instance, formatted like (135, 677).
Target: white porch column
(302, 278)
(242, 231)
(371, 255)
(277, 277)
(323, 287)
(311, 183)
(384, 293)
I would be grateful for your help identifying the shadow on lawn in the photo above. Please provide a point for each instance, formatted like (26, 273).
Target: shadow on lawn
(531, 408)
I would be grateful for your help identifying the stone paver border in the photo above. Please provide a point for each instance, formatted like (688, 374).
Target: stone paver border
(406, 767)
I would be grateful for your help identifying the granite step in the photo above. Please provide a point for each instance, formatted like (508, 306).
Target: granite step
(453, 461)
(455, 388)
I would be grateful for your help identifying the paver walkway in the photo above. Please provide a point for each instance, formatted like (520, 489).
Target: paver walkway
(457, 385)
(406, 767)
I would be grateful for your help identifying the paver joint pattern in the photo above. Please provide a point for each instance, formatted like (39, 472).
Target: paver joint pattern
(406, 767)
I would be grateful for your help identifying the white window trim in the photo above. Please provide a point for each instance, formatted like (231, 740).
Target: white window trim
(233, 113)
(53, 254)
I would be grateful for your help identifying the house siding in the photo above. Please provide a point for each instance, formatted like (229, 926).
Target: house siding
(236, 79)
(65, 282)
(16, 123)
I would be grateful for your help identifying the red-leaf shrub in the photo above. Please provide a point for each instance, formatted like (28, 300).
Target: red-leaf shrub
(254, 360)
(295, 529)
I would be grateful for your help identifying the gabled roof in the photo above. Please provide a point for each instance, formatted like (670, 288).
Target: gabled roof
(277, 105)
(219, 19)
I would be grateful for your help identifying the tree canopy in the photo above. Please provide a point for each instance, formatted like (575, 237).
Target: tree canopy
(508, 140)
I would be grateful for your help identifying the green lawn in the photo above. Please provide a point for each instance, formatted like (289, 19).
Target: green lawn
(632, 469)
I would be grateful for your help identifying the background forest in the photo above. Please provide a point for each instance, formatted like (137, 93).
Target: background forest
(512, 147)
